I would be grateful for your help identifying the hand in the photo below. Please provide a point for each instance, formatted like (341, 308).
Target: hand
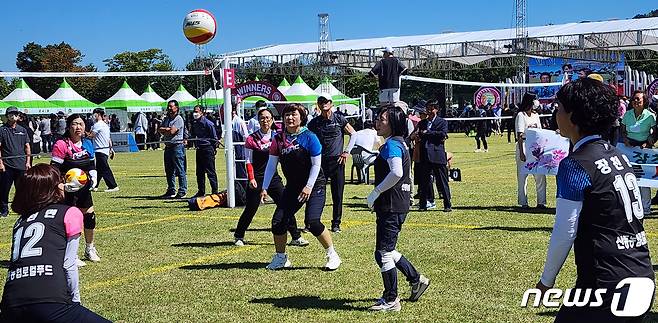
(372, 197)
(342, 158)
(304, 195)
(253, 183)
(263, 196)
(2, 166)
(522, 156)
(27, 165)
(71, 188)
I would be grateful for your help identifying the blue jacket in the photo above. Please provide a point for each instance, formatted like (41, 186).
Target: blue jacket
(433, 140)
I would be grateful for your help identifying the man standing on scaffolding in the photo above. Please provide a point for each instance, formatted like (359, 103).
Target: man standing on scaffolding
(388, 71)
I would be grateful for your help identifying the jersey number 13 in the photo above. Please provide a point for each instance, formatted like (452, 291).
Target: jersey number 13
(625, 185)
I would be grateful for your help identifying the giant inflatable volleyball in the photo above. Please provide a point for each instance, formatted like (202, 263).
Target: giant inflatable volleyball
(199, 26)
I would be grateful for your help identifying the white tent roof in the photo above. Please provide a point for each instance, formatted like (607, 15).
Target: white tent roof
(609, 34)
(182, 96)
(23, 93)
(283, 86)
(333, 91)
(150, 96)
(300, 91)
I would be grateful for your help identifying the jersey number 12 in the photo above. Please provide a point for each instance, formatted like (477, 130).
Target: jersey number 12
(35, 232)
(623, 186)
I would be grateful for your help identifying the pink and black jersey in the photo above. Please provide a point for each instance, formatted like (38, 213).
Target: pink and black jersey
(258, 145)
(36, 270)
(67, 155)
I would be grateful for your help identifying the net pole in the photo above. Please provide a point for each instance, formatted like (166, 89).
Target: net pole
(229, 152)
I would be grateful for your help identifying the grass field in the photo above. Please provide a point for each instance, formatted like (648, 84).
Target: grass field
(163, 263)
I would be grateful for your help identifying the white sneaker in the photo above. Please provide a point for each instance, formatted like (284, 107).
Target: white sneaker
(486, 150)
(110, 190)
(239, 243)
(95, 189)
(476, 151)
(80, 263)
(301, 242)
(333, 261)
(279, 262)
(382, 306)
(92, 254)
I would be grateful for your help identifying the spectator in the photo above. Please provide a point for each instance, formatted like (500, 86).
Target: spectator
(388, 71)
(140, 126)
(636, 132)
(418, 149)
(253, 125)
(153, 135)
(15, 157)
(172, 130)
(481, 129)
(368, 139)
(100, 135)
(206, 142)
(497, 113)
(59, 126)
(434, 158)
(527, 118)
(115, 124)
(46, 134)
(508, 123)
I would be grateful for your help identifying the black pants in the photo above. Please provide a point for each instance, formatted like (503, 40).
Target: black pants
(205, 165)
(419, 175)
(253, 202)
(336, 173)
(140, 139)
(289, 205)
(481, 135)
(47, 142)
(440, 172)
(51, 312)
(7, 179)
(153, 138)
(104, 171)
(390, 260)
(510, 131)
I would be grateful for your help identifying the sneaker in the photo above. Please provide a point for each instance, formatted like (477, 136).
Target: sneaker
(92, 254)
(301, 242)
(447, 210)
(279, 262)
(476, 151)
(383, 306)
(419, 288)
(333, 261)
(239, 243)
(110, 190)
(541, 206)
(335, 228)
(95, 189)
(179, 196)
(486, 150)
(168, 195)
(430, 205)
(525, 206)
(80, 263)
(4, 214)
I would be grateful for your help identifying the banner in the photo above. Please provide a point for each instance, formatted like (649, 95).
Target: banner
(545, 149)
(652, 89)
(645, 164)
(486, 95)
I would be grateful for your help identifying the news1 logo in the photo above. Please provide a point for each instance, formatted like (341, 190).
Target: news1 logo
(636, 302)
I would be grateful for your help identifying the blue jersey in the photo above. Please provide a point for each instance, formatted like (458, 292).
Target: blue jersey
(295, 152)
(396, 199)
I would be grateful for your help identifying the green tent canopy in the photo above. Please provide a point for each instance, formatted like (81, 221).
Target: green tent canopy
(184, 98)
(151, 97)
(72, 102)
(29, 101)
(126, 99)
(301, 92)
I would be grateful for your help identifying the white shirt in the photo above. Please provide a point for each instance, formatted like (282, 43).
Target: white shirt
(141, 124)
(240, 127)
(366, 138)
(253, 125)
(523, 121)
(101, 137)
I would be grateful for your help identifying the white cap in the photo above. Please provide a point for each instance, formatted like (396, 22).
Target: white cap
(388, 49)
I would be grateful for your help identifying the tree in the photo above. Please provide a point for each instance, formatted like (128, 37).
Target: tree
(60, 57)
(149, 60)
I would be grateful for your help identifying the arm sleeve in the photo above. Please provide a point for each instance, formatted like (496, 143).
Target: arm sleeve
(316, 162)
(519, 123)
(440, 132)
(71, 267)
(73, 222)
(564, 233)
(351, 143)
(393, 177)
(250, 172)
(248, 154)
(213, 132)
(376, 69)
(59, 152)
(270, 169)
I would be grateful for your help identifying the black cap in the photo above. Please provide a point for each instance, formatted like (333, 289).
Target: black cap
(11, 109)
(323, 100)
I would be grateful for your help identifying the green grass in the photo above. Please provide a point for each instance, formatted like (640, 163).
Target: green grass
(163, 263)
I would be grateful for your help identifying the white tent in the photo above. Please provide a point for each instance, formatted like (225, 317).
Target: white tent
(301, 92)
(284, 86)
(184, 98)
(127, 100)
(29, 101)
(151, 97)
(70, 101)
(213, 98)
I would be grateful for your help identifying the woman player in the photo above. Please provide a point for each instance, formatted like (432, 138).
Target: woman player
(390, 200)
(299, 152)
(257, 147)
(42, 282)
(73, 151)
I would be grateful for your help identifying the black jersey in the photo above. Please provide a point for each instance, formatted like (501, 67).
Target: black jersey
(36, 270)
(330, 133)
(610, 243)
(295, 152)
(396, 199)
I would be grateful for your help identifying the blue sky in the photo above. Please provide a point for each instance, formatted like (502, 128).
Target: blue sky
(101, 29)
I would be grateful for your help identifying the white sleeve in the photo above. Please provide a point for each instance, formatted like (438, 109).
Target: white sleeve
(519, 123)
(316, 164)
(71, 267)
(248, 155)
(564, 233)
(352, 143)
(392, 178)
(270, 169)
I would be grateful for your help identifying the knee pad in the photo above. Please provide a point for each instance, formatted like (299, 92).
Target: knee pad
(89, 220)
(279, 227)
(388, 262)
(315, 226)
